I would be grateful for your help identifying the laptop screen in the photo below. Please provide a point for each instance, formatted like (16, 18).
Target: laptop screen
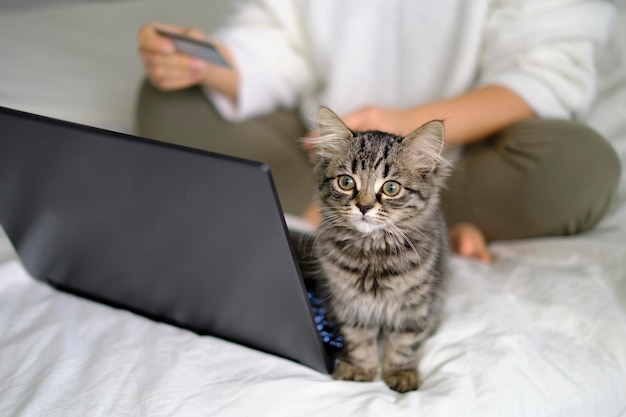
(183, 236)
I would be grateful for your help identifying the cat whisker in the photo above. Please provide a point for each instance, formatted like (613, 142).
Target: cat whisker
(329, 221)
(405, 240)
(395, 241)
(416, 232)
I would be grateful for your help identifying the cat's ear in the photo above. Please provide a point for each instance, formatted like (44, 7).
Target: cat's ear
(424, 146)
(332, 133)
(329, 124)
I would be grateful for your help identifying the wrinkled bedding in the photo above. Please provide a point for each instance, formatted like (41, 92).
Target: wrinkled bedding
(539, 332)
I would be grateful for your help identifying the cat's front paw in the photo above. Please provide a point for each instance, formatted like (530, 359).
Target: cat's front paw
(401, 380)
(348, 372)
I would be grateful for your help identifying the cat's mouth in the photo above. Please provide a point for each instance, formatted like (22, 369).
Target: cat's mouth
(365, 224)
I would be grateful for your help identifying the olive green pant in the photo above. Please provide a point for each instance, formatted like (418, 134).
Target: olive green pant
(535, 178)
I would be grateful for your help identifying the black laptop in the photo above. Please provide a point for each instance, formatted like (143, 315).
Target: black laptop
(187, 237)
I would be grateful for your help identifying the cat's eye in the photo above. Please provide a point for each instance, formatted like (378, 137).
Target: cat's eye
(346, 182)
(391, 188)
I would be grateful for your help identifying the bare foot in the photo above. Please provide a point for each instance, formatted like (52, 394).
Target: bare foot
(467, 240)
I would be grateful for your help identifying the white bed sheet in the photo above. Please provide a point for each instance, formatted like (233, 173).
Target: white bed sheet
(540, 332)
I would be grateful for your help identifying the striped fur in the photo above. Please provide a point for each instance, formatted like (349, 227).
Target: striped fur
(382, 255)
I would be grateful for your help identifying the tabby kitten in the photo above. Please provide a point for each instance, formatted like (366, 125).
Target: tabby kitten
(381, 245)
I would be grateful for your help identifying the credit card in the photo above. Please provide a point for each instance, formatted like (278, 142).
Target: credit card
(194, 47)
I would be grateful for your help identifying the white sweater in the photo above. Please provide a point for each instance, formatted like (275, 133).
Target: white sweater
(347, 54)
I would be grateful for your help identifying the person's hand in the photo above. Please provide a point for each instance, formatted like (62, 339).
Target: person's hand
(397, 121)
(469, 117)
(167, 69)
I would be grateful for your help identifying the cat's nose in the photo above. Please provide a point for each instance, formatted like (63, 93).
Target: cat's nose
(364, 208)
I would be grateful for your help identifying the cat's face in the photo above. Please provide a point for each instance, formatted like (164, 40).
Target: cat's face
(372, 181)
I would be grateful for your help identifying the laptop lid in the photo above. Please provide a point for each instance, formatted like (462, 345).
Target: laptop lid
(188, 237)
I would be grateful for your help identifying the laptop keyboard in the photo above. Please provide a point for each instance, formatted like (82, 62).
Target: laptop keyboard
(326, 329)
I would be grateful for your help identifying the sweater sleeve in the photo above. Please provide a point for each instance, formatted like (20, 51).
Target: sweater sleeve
(268, 44)
(544, 51)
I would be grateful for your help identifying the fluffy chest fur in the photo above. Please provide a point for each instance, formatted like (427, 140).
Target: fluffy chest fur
(382, 280)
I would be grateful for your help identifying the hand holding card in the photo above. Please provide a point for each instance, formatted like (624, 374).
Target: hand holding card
(176, 58)
(195, 47)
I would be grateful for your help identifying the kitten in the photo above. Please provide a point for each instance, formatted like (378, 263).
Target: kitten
(382, 244)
